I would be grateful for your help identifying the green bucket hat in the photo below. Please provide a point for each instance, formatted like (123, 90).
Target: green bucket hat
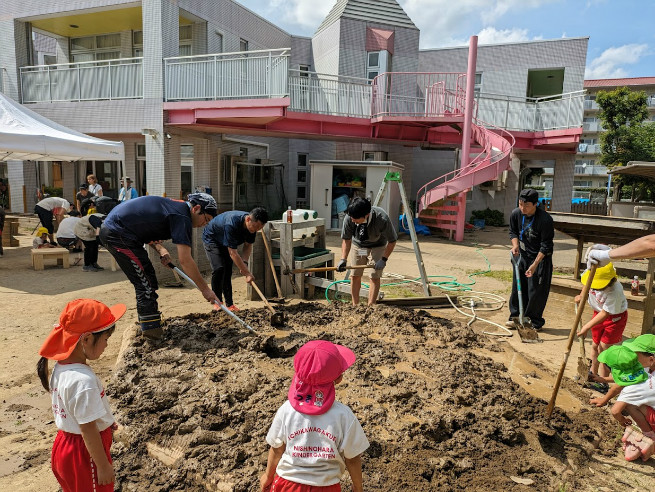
(626, 369)
(643, 343)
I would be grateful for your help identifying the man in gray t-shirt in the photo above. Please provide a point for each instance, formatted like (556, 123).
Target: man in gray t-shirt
(370, 231)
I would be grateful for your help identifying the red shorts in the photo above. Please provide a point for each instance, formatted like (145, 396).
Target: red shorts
(650, 417)
(72, 465)
(609, 331)
(282, 485)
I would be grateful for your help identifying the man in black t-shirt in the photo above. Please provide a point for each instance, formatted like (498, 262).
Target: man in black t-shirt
(531, 232)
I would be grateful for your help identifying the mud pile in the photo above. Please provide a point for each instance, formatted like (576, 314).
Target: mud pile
(196, 406)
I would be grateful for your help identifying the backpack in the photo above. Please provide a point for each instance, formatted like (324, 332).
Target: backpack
(105, 204)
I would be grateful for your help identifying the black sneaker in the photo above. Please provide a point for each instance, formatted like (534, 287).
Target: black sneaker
(89, 268)
(97, 267)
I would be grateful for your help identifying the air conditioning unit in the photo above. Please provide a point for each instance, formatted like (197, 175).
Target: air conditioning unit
(498, 184)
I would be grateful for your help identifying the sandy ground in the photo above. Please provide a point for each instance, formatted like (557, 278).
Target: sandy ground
(32, 301)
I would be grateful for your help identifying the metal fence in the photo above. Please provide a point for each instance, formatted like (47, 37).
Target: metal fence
(329, 94)
(241, 75)
(83, 81)
(529, 114)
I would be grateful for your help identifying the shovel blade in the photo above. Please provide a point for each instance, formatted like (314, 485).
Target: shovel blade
(527, 333)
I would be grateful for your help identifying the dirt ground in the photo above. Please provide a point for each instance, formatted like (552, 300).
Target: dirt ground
(445, 407)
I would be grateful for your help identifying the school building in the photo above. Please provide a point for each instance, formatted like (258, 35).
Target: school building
(206, 94)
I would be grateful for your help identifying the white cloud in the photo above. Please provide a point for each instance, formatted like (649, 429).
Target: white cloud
(609, 64)
(491, 35)
(308, 15)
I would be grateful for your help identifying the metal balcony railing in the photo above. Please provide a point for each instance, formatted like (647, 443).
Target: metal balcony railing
(83, 81)
(239, 75)
(529, 114)
(312, 92)
(592, 126)
(591, 104)
(417, 94)
(591, 170)
(584, 148)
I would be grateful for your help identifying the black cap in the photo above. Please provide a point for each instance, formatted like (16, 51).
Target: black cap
(84, 186)
(529, 195)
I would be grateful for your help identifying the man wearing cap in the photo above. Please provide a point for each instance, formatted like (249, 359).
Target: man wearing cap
(126, 192)
(150, 220)
(221, 238)
(82, 195)
(531, 232)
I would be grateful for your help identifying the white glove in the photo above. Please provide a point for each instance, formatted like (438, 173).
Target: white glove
(598, 254)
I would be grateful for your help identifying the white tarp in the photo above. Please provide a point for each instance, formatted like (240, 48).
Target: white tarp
(28, 136)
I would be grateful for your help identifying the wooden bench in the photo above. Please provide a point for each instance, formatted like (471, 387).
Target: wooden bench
(60, 254)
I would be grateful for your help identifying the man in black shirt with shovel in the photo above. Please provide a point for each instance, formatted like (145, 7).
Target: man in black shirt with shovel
(531, 232)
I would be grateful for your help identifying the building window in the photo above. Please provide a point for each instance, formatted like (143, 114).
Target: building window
(227, 169)
(304, 70)
(186, 35)
(137, 44)
(302, 176)
(140, 178)
(186, 169)
(301, 185)
(90, 48)
(477, 88)
(369, 156)
(219, 43)
(243, 152)
(302, 160)
(373, 65)
(243, 45)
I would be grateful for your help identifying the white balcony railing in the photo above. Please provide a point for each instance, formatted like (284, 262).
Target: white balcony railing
(591, 170)
(591, 104)
(529, 114)
(329, 94)
(592, 126)
(584, 148)
(83, 81)
(242, 75)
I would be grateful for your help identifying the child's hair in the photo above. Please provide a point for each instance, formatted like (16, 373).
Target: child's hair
(42, 364)
(612, 282)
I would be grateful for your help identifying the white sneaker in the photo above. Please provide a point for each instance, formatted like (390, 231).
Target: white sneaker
(510, 324)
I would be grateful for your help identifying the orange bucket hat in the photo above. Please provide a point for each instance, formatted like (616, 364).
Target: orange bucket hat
(79, 317)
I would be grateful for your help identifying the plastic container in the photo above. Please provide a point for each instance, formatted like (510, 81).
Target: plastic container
(312, 214)
(479, 223)
(295, 216)
(634, 288)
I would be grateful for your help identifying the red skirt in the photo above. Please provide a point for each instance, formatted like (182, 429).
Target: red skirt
(72, 465)
(281, 485)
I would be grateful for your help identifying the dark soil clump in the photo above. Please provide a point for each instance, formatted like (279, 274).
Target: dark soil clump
(197, 406)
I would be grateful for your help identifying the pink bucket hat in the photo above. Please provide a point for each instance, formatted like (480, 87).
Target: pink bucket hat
(317, 365)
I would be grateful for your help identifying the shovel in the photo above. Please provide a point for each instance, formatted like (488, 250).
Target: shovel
(280, 298)
(578, 317)
(277, 319)
(219, 304)
(583, 363)
(527, 333)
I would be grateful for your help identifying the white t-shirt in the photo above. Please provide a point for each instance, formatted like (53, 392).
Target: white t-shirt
(316, 444)
(53, 202)
(611, 299)
(66, 228)
(78, 397)
(95, 188)
(641, 393)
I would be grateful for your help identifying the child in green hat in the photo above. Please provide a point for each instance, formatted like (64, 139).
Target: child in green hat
(637, 396)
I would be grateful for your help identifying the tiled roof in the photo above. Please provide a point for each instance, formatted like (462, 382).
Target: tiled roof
(619, 82)
(387, 12)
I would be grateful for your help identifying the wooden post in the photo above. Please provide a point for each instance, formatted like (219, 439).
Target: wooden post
(649, 304)
(578, 259)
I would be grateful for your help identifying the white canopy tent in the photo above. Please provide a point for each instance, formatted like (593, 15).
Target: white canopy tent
(28, 136)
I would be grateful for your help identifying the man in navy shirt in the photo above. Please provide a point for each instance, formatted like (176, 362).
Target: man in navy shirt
(221, 239)
(150, 220)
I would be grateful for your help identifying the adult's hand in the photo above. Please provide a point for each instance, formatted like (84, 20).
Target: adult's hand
(380, 264)
(249, 278)
(209, 295)
(530, 271)
(515, 250)
(598, 254)
(341, 266)
(164, 257)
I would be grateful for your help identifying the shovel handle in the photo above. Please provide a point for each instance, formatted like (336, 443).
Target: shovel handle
(262, 297)
(219, 304)
(330, 269)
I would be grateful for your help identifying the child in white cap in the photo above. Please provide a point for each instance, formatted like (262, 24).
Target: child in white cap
(314, 438)
(80, 457)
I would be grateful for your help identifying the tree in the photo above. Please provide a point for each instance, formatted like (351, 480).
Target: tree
(627, 138)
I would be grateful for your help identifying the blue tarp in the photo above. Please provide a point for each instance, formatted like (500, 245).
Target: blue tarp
(421, 230)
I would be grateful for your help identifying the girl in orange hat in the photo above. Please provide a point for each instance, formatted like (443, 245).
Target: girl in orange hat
(80, 454)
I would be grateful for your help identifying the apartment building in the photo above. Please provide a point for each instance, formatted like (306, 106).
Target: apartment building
(208, 95)
(588, 172)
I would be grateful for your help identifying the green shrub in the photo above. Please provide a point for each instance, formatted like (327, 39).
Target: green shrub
(491, 217)
(52, 191)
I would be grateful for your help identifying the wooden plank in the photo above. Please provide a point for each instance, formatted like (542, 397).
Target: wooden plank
(649, 305)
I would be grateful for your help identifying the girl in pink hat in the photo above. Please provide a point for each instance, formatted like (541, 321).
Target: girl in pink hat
(80, 455)
(315, 438)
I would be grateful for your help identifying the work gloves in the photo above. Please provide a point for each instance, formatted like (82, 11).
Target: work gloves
(380, 264)
(598, 254)
(341, 266)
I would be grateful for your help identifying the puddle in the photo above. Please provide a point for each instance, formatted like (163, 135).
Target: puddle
(523, 373)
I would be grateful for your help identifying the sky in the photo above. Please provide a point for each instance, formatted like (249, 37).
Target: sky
(621, 32)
